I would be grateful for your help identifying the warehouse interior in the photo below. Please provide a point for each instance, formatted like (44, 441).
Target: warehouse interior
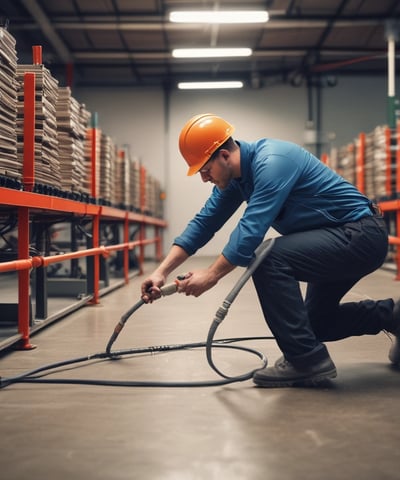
(93, 191)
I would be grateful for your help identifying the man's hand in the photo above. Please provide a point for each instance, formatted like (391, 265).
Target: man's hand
(197, 282)
(151, 288)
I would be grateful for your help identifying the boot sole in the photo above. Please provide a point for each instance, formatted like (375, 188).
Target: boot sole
(312, 381)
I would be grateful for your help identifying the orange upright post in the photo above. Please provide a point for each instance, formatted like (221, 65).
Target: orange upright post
(388, 169)
(96, 219)
(28, 180)
(28, 168)
(397, 246)
(325, 159)
(126, 249)
(24, 308)
(398, 159)
(93, 152)
(142, 229)
(360, 163)
(70, 74)
(96, 260)
(397, 195)
(142, 189)
(37, 54)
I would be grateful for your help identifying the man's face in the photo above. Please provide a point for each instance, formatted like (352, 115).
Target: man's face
(217, 170)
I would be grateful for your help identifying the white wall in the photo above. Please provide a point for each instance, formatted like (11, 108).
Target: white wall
(133, 117)
(149, 120)
(254, 113)
(354, 105)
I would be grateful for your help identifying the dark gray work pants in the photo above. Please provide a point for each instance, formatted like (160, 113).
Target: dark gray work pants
(330, 261)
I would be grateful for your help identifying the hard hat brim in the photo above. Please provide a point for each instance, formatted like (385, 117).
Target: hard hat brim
(193, 169)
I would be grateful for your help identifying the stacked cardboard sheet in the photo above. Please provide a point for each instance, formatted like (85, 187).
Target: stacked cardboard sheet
(121, 193)
(108, 154)
(72, 122)
(10, 165)
(383, 170)
(346, 162)
(47, 165)
(135, 184)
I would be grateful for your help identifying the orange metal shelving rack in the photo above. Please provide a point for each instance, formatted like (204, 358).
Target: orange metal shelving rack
(26, 202)
(393, 204)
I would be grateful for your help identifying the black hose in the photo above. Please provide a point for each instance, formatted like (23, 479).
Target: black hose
(259, 255)
(165, 290)
(121, 323)
(32, 375)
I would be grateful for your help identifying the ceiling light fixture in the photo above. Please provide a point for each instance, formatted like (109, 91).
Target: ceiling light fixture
(216, 16)
(209, 85)
(211, 52)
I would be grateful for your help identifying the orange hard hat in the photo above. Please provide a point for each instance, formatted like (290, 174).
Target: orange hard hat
(201, 137)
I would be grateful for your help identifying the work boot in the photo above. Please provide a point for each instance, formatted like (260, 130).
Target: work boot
(284, 374)
(394, 352)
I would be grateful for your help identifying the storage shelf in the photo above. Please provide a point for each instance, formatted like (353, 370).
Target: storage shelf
(372, 163)
(30, 204)
(46, 203)
(18, 198)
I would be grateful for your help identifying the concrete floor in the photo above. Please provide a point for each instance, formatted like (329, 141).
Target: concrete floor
(349, 429)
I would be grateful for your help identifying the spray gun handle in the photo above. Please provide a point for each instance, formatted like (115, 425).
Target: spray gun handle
(171, 288)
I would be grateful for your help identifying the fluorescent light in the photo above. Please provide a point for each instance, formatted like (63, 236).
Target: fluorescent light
(209, 85)
(216, 16)
(211, 52)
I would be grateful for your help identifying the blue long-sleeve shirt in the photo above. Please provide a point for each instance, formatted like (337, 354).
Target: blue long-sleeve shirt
(285, 187)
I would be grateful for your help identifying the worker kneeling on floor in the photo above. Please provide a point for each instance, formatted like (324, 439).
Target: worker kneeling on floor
(331, 236)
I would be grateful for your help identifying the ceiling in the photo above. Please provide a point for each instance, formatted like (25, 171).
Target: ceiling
(129, 42)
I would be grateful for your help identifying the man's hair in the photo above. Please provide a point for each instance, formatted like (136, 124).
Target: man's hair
(229, 145)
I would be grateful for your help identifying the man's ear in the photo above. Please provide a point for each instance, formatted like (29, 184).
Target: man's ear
(225, 153)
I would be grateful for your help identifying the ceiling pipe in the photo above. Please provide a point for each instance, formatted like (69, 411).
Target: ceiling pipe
(91, 23)
(260, 53)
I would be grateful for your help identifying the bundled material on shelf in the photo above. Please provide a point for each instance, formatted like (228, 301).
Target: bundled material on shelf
(129, 175)
(134, 188)
(346, 162)
(72, 123)
(47, 165)
(150, 194)
(121, 195)
(369, 166)
(332, 159)
(379, 172)
(10, 164)
(87, 179)
(64, 153)
(108, 153)
(154, 197)
(371, 162)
